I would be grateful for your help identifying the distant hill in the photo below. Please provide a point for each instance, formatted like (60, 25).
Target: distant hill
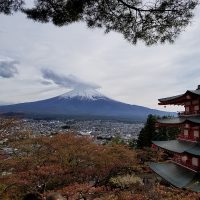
(82, 103)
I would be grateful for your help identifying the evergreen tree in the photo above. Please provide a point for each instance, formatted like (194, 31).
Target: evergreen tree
(149, 21)
(166, 133)
(150, 132)
(147, 133)
(132, 143)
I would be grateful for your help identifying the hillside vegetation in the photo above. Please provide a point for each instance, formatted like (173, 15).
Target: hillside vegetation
(79, 169)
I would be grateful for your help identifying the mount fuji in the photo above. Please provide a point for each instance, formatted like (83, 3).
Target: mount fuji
(82, 103)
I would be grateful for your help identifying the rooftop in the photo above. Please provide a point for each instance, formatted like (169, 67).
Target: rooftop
(180, 99)
(180, 120)
(179, 146)
(177, 175)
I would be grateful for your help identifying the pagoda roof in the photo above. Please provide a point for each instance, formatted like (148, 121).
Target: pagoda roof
(179, 99)
(195, 150)
(195, 184)
(170, 98)
(179, 146)
(177, 176)
(180, 120)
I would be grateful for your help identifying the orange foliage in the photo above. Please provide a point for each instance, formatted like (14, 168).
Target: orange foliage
(49, 163)
(77, 168)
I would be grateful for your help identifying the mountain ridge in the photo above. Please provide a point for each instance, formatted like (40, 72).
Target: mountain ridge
(83, 103)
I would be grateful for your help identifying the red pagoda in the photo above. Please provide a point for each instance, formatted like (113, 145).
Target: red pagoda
(183, 170)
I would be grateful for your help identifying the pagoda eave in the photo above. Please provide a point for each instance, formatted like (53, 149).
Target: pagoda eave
(167, 103)
(184, 166)
(177, 175)
(172, 145)
(179, 147)
(180, 99)
(179, 120)
(168, 125)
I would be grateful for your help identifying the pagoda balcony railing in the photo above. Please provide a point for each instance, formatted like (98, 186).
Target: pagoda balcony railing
(186, 164)
(185, 113)
(191, 138)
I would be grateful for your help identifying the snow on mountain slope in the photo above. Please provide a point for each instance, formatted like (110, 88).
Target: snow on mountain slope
(83, 94)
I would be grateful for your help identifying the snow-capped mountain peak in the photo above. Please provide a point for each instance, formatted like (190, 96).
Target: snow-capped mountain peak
(81, 103)
(83, 93)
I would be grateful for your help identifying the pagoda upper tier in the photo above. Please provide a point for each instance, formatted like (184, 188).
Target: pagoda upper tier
(189, 98)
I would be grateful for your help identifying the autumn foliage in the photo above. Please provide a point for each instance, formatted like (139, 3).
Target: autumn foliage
(43, 164)
(78, 168)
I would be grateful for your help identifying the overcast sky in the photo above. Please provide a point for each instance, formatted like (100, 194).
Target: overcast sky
(34, 55)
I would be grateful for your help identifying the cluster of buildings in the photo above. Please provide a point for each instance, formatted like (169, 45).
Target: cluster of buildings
(99, 129)
(108, 129)
(44, 127)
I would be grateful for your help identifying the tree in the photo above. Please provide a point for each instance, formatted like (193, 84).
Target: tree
(117, 140)
(41, 164)
(152, 22)
(146, 134)
(167, 133)
(150, 132)
(70, 165)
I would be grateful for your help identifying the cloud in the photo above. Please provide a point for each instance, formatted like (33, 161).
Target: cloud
(44, 82)
(8, 68)
(70, 81)
(3, 103)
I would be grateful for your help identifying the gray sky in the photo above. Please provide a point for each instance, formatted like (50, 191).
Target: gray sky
(33, 52)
